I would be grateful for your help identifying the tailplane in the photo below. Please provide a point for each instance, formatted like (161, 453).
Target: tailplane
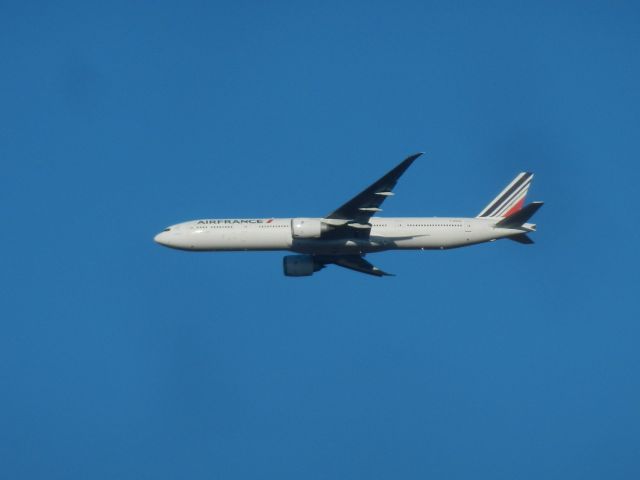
(511, 199)
(522, 238)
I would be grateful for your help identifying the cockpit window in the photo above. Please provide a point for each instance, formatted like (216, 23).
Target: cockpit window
(167, 229)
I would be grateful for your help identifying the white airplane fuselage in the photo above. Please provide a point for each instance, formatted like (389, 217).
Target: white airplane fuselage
(346, 235)
(409, 233)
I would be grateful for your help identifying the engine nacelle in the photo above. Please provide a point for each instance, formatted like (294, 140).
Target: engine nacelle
(307, 227)
(299, 265)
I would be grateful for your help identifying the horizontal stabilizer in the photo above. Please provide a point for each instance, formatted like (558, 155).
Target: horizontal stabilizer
(522, 238)
(519, 218)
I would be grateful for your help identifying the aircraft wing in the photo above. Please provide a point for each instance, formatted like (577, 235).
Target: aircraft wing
(352, 218)
(353, 262)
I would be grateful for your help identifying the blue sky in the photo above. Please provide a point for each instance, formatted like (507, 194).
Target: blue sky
(122, 359)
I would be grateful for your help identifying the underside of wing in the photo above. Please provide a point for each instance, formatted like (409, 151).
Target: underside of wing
(353, 262)
(352, 218)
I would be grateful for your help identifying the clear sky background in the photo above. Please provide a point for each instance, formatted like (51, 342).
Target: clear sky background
(120, 359)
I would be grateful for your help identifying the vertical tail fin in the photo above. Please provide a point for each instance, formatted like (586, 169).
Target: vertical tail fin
(511, 199)
(519, 218)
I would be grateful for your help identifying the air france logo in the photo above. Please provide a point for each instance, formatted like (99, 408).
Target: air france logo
(232, 221)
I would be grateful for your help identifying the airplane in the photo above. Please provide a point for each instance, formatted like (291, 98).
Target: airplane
(345, 236)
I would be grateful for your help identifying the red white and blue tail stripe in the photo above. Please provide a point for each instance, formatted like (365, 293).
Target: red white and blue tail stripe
(511, 199)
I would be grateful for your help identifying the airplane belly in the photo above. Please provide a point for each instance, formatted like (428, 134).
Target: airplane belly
(336, 247)
(220, 240)
(433, 240)
(267, 240)
(240, 239)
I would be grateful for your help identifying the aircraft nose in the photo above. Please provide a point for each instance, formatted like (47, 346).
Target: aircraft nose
(161, 238)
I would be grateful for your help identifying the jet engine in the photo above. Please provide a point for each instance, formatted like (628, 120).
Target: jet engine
(308, 227)
(300, 265)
